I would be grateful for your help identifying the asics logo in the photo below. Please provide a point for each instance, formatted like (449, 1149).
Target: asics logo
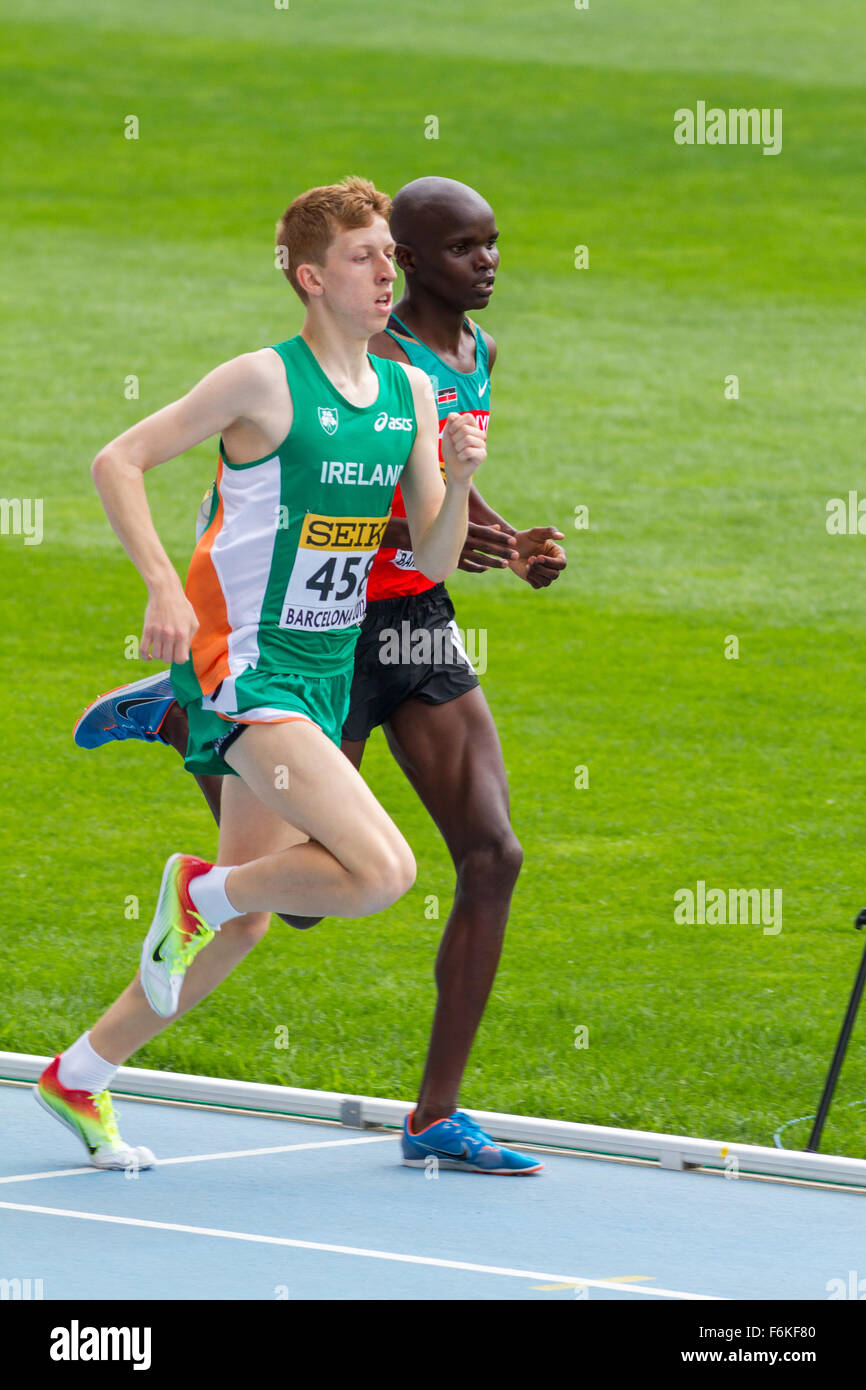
(391, 422)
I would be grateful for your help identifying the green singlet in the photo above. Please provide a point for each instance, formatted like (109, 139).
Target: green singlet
(278, 579)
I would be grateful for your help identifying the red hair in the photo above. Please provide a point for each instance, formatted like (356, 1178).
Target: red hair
(309, 224)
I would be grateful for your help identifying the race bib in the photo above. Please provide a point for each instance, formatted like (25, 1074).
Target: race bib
(328, 584)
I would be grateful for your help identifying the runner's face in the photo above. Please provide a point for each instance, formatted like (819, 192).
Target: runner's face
(458, 262)
(358, 275)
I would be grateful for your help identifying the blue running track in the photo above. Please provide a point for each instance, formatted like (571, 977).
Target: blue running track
(246, 1206)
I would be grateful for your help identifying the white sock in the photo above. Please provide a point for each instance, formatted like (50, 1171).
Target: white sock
(208, 892)
(82, 1069)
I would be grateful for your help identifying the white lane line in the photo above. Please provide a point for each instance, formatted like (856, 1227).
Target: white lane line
(429, 1260)
(206, 1158)
(284, 1148)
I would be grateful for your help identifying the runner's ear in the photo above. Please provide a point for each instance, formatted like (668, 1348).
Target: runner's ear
(405, 259)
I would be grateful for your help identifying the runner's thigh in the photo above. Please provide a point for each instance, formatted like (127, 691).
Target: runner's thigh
(250, 829)
(303, 778)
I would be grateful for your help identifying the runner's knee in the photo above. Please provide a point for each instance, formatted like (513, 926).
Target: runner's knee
(388, 872)
(491, 867)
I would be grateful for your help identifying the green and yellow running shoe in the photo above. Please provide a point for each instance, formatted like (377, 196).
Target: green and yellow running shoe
(91, 1117)
(176, 935)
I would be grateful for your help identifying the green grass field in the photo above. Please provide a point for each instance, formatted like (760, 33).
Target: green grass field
(154, 257)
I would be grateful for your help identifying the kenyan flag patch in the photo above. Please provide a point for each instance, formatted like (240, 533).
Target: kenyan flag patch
(447, 396)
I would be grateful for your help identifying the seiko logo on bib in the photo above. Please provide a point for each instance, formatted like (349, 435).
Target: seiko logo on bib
(328, 419)
(393, 422)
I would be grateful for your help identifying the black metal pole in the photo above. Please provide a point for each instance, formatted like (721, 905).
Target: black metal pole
(841, 1047)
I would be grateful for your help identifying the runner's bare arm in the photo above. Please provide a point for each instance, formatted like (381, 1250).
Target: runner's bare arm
(491, 541)
(396, 535)
(484, 547)
(538, 562)
(234, 392)
(437, 512)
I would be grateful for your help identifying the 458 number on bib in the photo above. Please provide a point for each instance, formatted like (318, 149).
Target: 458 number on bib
(328, 584)
(326, 579)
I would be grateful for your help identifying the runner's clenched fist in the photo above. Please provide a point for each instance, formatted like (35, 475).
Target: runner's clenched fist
(463, 447)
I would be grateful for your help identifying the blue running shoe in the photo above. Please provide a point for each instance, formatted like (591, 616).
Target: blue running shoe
(459, 1142)
(131, 711)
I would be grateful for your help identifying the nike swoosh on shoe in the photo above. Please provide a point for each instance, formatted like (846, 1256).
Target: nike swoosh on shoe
(124, 706)
(446, 1153)
(156, 957)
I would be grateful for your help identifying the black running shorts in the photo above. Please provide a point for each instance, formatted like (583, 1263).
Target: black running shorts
(409, 649)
